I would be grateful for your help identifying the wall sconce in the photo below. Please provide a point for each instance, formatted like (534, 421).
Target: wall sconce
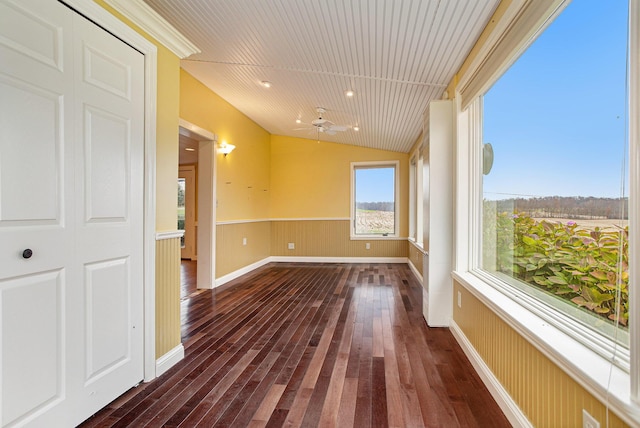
(225, 148)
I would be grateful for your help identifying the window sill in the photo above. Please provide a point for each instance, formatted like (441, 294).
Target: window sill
(417, 245)
(376, 238)
(593, 371)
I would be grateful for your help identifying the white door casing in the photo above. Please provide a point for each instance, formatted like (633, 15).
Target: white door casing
(72, 192)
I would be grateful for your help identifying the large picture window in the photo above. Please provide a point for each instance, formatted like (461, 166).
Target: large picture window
(555, 203)
(374, 205)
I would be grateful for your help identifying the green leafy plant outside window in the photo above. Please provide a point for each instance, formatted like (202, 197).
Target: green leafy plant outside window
(582, 266)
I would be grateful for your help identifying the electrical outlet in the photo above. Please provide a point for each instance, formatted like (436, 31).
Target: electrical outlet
(291, 246)
(244, 241)
(459, 299)
(367, 246)
(589, 421)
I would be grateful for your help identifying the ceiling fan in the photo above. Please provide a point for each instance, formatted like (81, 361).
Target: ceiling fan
(324, 125)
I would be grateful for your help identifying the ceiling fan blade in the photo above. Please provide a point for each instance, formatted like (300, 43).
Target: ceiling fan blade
(339, 128)
(330, 132)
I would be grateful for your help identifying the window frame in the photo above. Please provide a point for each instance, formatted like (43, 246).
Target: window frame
(395, 164)
(416, 187)
(557, 337)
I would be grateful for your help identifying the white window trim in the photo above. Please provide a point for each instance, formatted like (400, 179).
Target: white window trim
(416, 193)
(611, 384)
(382, 164)
(413, 199)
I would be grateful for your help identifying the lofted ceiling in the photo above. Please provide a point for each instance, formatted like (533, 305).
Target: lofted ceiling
(395, 55)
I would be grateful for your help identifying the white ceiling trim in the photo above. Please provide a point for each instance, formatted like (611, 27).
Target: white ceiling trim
(156, 26)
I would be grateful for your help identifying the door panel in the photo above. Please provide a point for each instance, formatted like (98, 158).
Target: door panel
(37, 163)
(107, 73)
(108, 318)
(35, 351)
(106, 166)
(43, 42)
(35, 188)
(109, 156)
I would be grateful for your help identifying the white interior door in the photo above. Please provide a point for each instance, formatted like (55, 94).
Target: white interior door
(187, 210)
(71, 215)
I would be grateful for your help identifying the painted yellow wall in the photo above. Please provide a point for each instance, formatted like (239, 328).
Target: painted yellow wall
(168, 320)
(232, 254)
(312, 180)
(416, 257)
(243, 181)
(544, 393)
(328, 238)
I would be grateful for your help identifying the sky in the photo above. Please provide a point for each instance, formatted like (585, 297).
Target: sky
(374, 184)
(556, 118)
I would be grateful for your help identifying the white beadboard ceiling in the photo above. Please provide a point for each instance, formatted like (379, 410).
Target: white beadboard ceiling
(396, 55)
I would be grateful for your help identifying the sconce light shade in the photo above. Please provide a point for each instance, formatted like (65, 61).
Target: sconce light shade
(225, 148)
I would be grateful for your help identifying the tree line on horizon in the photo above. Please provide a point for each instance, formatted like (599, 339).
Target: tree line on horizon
(375, 206)
(573, 207)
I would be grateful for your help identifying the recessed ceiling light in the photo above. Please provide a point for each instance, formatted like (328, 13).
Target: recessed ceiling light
(349, 93)
(266, 83)
(190, 149)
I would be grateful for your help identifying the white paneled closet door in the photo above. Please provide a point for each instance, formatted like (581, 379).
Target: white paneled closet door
(71, 215)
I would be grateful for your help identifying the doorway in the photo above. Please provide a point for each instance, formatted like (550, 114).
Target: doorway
(198, 148)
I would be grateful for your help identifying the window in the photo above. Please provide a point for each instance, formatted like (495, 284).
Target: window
(374, 207)
(496, 211)
(555, 203)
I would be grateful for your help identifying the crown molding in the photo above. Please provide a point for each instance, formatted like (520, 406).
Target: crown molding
(156, 26)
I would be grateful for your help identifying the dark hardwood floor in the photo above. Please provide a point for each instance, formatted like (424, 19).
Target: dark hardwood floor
(335, 345)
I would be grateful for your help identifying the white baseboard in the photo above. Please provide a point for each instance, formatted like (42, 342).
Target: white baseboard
(238, 273)
(502, 397)
(169, 359)
(415, 271)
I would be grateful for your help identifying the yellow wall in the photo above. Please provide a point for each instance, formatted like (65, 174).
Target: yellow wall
(243, 185)
(328, 238)
(544, 393)
(416, 257)
(167, 295)
(232, 254)
(312, 180)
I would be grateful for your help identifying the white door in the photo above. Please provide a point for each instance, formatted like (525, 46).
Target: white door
(71, 211)
(187, 210)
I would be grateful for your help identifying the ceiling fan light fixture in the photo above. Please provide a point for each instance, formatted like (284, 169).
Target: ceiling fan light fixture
(298, 120)
(356, 128)
(266, 83)
(349, 93)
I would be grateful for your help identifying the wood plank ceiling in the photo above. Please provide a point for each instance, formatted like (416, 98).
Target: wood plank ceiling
(396, 55)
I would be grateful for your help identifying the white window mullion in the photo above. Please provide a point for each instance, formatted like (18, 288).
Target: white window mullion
(634, 192)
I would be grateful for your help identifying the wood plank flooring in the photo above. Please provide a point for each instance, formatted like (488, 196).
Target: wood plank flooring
(333, 345)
